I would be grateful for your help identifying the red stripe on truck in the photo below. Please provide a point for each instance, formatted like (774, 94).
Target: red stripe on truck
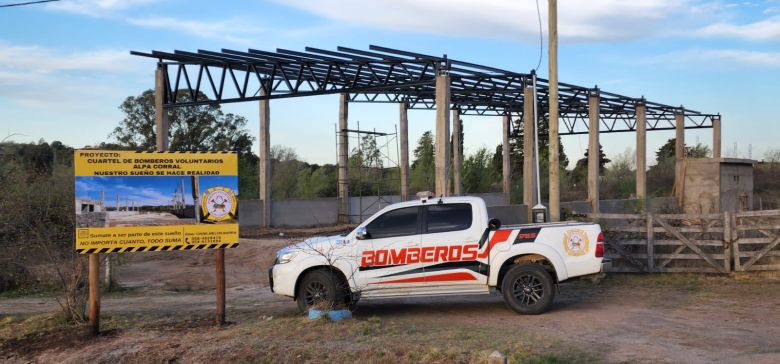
(499, 236)
(446, 277)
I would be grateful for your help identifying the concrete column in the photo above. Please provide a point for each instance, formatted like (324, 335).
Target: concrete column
(679, 152)
(457, 154)
(442, 133)
(641, 151)
(264, 170)
(594, 155)
(343, 158)
(716, 136)
(161, 116)
(506, 120)
(404, 157)
(529, 140)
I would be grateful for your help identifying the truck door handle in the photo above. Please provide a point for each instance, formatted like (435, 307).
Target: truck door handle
(411, 243)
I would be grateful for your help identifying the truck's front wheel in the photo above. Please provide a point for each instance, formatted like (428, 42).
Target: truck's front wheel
(528, 289)
(319, 288)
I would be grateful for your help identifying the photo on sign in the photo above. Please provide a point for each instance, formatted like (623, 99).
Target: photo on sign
(119, 201)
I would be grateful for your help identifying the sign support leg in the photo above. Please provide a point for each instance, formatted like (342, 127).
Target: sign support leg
(94, 294)
(220, 263)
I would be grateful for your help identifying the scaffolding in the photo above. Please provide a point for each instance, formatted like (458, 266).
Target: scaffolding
(379, 168)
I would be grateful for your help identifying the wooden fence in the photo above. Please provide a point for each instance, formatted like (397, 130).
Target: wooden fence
(706, 243)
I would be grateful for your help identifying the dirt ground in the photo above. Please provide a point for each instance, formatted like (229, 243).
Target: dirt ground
(164, 313)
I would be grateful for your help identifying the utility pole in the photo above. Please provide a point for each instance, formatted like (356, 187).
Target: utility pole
(555, 197)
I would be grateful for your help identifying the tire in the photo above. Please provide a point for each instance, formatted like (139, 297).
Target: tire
(320, 287)
(528, 289)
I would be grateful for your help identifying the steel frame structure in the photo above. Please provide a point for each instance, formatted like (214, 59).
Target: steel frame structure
(386, 75)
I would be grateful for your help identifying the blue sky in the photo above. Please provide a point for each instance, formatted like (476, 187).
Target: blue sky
(147, 190)
(65, 67)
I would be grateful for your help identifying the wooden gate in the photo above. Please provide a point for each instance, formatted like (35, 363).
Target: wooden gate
(756, 241)
(705, 243)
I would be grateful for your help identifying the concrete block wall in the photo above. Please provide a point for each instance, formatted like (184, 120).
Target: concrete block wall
(324, 211)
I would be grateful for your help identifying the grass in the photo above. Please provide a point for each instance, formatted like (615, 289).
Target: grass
(31, 291)
(288, 339)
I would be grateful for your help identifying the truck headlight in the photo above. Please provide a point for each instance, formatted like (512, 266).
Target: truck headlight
(285, 256)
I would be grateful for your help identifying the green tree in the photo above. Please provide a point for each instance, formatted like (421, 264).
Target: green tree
(619, 180)
(516, 145)
(192, 128)
(423, 166)
(317, 181)
(285, 169)
(660, 177)
(580, 173)
(497, 160)
(667, 151)
(452, 141)
(478, 173)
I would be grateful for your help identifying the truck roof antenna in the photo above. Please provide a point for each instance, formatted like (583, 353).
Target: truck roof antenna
(440, 199)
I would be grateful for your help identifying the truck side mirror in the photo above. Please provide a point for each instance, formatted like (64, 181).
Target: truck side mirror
(362, 233)
(494, 224)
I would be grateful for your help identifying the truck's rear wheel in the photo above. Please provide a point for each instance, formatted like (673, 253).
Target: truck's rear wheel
(528, 289)
(319, 288)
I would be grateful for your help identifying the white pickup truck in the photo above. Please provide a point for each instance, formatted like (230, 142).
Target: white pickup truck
(439, 246)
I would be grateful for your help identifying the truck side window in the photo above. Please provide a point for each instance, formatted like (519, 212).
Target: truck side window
(400, 222)
(448, 217)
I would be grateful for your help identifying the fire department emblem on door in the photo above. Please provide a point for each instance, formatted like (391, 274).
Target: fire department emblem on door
(575, 242)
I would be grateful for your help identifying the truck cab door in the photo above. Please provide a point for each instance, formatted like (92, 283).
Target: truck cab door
(449, 247)
(389, 253)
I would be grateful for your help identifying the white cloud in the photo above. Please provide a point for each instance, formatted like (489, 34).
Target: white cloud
(97, 8)
(48, 78)
(37, 59)
(232, 30)
(720, 57)
(598, 20)
(764, 30)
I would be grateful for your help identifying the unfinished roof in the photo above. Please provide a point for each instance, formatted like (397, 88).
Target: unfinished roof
(386, 75)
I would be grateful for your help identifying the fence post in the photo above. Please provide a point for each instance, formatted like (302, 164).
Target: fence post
(727, 241)
(734, 240)
(650, 243)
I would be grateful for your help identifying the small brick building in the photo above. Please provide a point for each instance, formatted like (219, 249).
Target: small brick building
(712, 185)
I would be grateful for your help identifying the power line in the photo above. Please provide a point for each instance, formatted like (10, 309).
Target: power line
(27, 3)
(541, 40)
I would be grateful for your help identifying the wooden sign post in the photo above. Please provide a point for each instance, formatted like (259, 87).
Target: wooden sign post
(220, 264)
(94, 294)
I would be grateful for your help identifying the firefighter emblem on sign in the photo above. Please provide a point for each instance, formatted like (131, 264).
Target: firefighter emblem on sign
(575, 242)
(219, 204)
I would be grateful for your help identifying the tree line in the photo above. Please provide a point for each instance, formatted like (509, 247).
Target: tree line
(36, 182)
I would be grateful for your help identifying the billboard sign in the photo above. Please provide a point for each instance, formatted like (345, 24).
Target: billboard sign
(155, 201)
